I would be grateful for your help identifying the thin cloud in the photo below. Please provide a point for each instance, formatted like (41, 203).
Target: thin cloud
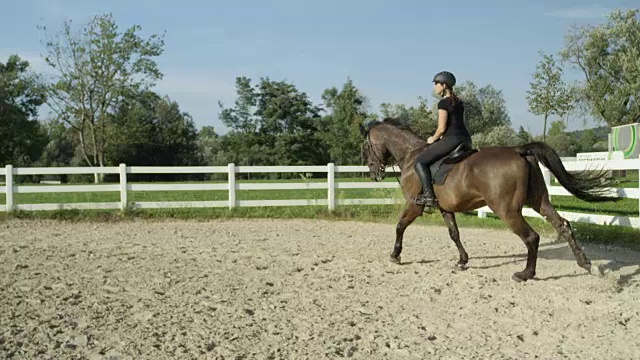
(198, 94)
(580, 12)
(199, 85)
(58, 10)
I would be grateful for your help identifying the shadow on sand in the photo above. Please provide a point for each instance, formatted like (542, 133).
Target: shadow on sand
(623, 263)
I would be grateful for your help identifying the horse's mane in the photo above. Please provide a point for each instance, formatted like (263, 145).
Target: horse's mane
(395, 122)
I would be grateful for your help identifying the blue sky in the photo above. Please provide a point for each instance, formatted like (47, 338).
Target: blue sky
(390, 49)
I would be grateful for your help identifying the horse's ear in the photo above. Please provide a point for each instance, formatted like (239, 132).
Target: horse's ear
(363, 130)
(366, 125)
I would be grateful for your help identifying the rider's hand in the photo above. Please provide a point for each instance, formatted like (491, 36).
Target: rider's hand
(430, 140)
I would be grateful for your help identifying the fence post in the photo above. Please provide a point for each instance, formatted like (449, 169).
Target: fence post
(123, 187)
(546, 174)
(331, 186)
(9, 188)
(232, 185)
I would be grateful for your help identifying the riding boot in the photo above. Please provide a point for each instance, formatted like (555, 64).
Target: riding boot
(428, 198)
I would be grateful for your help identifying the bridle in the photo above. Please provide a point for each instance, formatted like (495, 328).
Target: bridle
(375, 154)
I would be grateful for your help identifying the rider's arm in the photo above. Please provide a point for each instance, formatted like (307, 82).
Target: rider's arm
(442, 124)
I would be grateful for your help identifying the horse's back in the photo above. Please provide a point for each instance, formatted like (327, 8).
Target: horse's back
(482, 176)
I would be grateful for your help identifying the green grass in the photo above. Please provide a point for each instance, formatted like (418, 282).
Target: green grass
(624, 207)
(617, 235)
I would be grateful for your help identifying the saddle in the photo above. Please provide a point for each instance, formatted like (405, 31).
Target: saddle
(441, 168)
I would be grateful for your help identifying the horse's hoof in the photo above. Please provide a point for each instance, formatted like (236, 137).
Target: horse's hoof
(521, 277)
(586, 266)
(395, 260)
(461, 266)
(598, 270)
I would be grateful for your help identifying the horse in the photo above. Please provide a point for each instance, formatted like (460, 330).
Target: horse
(504, 178)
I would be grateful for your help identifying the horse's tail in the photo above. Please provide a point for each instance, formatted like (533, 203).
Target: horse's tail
(585, 186)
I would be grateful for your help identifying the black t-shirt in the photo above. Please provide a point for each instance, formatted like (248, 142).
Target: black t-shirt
(455, 117)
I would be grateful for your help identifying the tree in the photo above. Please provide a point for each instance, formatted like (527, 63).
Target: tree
(242, 140)
(485, 108)
(420, 118)
(548, 94)
(560, 140)
(150, 129)
(607, 54)
(339, 130)
(95, 70)
(289, 122)
(211, 147)
(59, 150)
(208, 145)
(272, 123)
(23, 137)
(586, 141)
(502, 135)
(524, 136)
(174, 136)
(242, 117)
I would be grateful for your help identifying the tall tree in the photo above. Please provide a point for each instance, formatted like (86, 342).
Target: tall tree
(485, 107)
(271, 123)
(420, 118)
(560, 140)
(209, 145)
(288, 124)
(152, 130)
(607, 55)
(95, 69)
(241, 117)
(548, 94)
(23, 137)
(502, 135)
(59, 151)
(339, 129)
(586, 141)
(524, 136)
(242, 140)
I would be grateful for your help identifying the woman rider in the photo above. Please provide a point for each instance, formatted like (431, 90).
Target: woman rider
(450, 133)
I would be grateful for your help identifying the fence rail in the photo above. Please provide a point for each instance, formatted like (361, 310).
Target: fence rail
(231, 186)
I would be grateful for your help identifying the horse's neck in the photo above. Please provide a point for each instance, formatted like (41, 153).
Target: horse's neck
(403, 143)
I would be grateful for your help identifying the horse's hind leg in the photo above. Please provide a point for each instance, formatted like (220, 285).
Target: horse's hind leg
(531, 239)
(538, 199)
(411, 212)
(450, 220)
(562, 226)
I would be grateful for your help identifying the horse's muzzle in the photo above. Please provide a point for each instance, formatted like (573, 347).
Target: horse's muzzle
(379, 174)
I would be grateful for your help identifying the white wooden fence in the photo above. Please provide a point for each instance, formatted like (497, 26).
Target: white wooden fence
(231, 186)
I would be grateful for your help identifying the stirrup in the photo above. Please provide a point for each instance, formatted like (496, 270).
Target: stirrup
(427, 201)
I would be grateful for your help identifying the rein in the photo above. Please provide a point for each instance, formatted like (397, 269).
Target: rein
(375, 154)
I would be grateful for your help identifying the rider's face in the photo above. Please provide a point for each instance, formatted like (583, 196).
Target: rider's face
(438, 88)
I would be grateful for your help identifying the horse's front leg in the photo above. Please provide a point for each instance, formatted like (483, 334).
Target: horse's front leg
(411, 212)
(450, 220)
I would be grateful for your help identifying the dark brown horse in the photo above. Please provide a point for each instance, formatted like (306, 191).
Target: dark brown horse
(503, 178)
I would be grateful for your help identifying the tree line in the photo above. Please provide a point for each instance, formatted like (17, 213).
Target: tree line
(105, 111)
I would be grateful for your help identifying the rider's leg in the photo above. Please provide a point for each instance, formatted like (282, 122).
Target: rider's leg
(427, 157)
(428, 198)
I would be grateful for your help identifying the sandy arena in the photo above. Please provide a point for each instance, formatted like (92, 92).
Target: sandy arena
(304, 289)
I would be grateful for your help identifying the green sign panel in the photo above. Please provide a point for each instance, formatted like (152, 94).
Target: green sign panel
(625, 139)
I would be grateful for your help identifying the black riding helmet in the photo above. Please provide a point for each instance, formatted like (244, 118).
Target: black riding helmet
(445, 77)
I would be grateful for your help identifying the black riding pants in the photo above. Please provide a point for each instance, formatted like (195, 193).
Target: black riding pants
(439, 149)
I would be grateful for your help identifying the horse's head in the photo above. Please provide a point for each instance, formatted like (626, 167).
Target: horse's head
(375, 152)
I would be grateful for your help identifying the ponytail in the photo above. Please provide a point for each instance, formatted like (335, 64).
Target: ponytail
(454, 98)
